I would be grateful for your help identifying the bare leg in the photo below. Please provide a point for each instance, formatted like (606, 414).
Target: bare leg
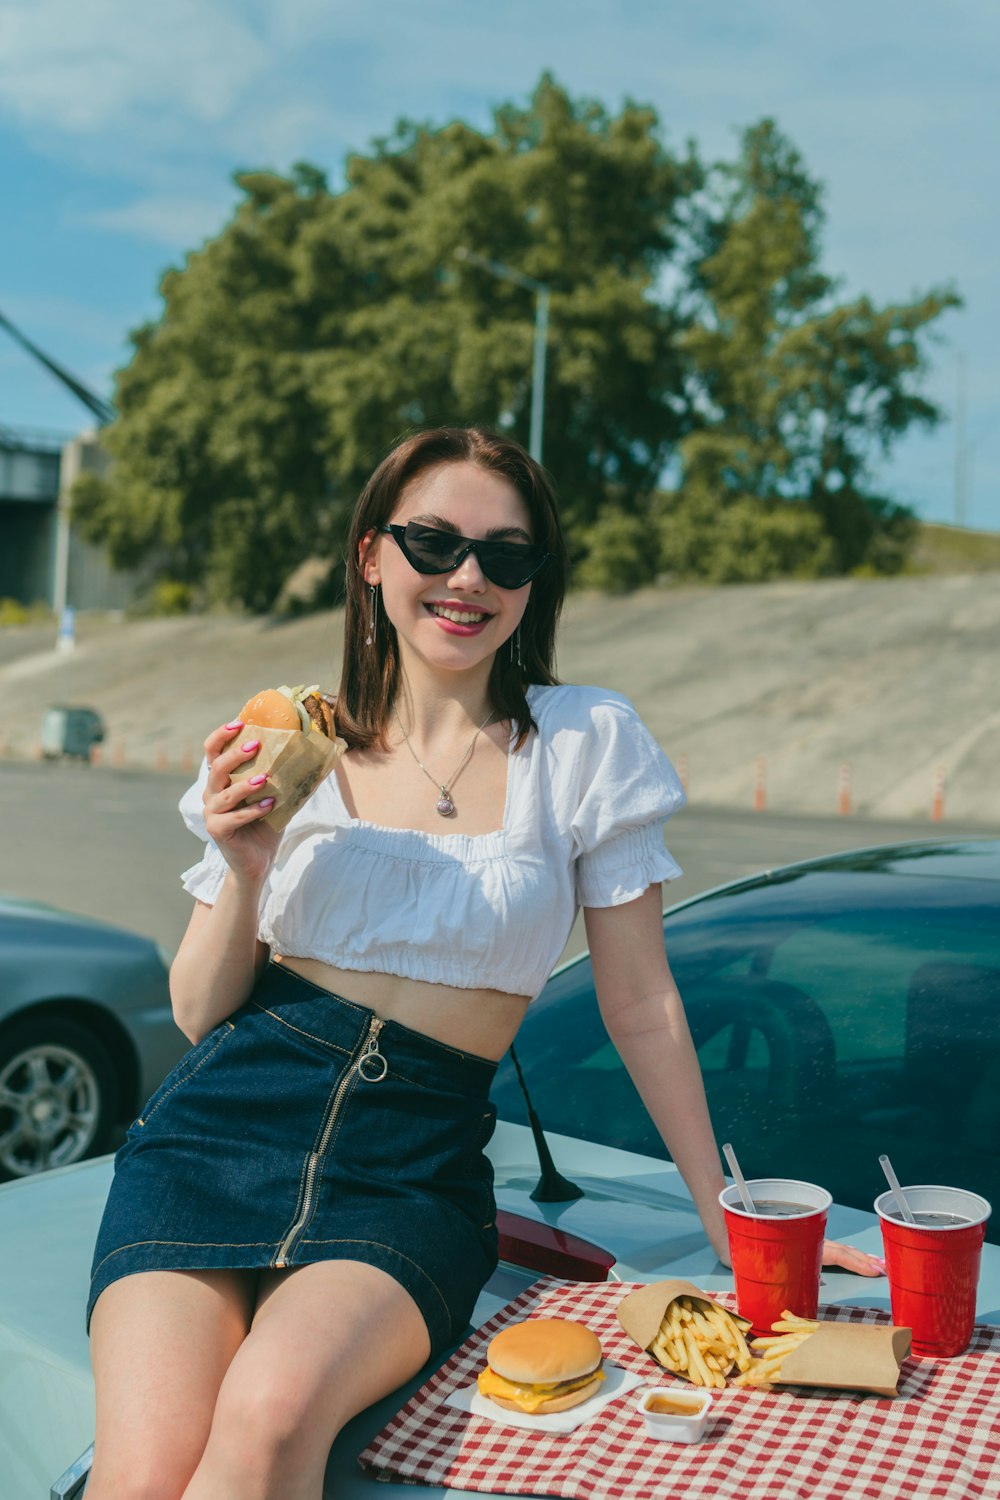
(326, 1341)
(161, 1342)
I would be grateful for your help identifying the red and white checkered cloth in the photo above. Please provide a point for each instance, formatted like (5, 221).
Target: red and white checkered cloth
(939, 1439)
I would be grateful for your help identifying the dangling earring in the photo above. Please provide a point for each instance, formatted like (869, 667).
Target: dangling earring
(515, 647)
(372, 613)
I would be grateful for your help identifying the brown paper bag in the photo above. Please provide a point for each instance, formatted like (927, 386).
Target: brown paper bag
(840, 1356)
(294, 763)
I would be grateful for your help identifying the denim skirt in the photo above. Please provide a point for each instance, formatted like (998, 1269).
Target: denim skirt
(305, 1128)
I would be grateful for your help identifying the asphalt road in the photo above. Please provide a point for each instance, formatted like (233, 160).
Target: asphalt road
(111, 844)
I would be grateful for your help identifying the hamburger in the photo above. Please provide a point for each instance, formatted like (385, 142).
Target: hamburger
(298, 747)
(542, 1365)
(304, 708)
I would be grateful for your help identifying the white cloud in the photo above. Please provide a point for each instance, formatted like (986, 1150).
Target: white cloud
(164, 219)
(91, 65)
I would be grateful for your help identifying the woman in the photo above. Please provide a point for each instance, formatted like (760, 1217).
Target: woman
(303, 1214)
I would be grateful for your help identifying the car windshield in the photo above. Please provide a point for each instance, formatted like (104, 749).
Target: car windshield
(836, 1015)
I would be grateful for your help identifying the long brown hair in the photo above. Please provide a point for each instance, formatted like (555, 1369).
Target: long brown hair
(369, 678)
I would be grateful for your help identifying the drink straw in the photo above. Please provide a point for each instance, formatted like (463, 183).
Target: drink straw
(897, 1192)
(738, 1178)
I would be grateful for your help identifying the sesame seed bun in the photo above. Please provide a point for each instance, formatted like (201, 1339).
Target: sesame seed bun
(270, 710)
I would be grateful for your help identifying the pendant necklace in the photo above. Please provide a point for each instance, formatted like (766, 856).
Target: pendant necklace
(445, 802)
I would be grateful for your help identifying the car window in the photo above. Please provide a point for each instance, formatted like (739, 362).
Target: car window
(834, 1019)
(860, 966)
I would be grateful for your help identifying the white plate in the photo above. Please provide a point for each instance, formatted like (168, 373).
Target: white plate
(617, 1382)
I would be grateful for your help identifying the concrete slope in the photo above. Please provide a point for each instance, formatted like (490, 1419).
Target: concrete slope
(897, 680)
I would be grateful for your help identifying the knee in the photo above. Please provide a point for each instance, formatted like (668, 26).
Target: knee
(269, 1426)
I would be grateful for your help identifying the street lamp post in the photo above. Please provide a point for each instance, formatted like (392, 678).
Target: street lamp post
(541, 290)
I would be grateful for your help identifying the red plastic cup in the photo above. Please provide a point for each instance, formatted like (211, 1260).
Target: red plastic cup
(933, 1270)
(776, 1257)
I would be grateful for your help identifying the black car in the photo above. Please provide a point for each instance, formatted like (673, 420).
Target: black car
(841, 1008)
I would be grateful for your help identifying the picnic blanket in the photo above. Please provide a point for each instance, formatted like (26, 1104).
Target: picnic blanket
(938, 1439)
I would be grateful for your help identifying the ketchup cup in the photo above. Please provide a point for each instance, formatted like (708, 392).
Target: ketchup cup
(776, 1257)
(933, 1267)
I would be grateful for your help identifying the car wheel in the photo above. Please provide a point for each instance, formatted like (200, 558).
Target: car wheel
(57, 1095)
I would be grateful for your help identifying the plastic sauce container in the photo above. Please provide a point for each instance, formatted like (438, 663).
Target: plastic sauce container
(673, 1415)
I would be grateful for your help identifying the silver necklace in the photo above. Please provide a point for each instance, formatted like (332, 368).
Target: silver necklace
(445, 802)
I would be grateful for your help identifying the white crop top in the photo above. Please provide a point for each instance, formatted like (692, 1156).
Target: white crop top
(586, 799)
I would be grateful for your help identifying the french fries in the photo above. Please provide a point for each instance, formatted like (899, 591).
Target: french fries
(701, 1342)
(787, 1333)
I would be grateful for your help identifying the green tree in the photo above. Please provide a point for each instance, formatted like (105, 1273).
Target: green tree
(317, 326)
(794, 395)
(692, 332)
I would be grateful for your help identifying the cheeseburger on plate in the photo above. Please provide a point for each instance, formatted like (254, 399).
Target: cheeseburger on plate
(542, 1365)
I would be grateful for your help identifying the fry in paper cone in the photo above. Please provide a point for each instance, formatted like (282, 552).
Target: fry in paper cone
(839, 1356)
(294, 763)
(686, 1332)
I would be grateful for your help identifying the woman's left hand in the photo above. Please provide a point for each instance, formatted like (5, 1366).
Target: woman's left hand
(849, 1259)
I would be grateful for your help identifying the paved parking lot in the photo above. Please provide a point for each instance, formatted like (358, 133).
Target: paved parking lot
(111, 844)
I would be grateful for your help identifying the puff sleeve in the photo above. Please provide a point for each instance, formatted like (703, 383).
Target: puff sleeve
(627, 789)
(203, 880)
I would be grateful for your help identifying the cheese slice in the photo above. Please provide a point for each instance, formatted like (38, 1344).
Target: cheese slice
(530, 1397)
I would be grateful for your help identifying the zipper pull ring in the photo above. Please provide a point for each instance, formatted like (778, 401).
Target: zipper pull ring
(371, 1057)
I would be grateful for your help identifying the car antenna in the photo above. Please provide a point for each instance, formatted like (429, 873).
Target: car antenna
(552, 1187)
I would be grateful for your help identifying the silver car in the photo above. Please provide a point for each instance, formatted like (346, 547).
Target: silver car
(86, 1034)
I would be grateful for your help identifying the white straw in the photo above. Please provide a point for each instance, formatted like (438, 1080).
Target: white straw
(738, 1178)
(897, 1191)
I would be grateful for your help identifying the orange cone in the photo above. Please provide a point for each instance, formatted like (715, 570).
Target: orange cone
(760, 784)
(161, 755)
(937, 797)
(682, 773)
(844, 791)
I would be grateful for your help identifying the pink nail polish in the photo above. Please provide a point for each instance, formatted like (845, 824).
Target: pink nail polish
(238, 725)
(266, 802)
(250, 746)
(257, 780)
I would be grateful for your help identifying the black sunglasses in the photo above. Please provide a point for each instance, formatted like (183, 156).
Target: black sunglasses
(509, 565)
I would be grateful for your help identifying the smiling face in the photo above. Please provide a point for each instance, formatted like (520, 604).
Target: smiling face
(458, 620)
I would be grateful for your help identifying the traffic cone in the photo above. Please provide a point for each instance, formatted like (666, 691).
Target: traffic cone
(937, 797)
(760, 784)
(161, 755)
(187, 759)
(118, 753)
(682, 773)
(844, 791)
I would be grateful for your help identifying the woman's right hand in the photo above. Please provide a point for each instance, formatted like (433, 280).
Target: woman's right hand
(245, 841)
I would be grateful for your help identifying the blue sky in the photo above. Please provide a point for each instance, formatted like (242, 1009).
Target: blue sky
(122, 120)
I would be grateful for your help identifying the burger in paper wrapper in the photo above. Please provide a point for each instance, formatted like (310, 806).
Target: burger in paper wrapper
(707, 1344)
(298, 747)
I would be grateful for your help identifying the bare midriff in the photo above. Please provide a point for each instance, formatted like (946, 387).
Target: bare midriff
(483, 1022)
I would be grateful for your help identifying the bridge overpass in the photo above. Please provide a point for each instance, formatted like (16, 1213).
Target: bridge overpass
(36, 468)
